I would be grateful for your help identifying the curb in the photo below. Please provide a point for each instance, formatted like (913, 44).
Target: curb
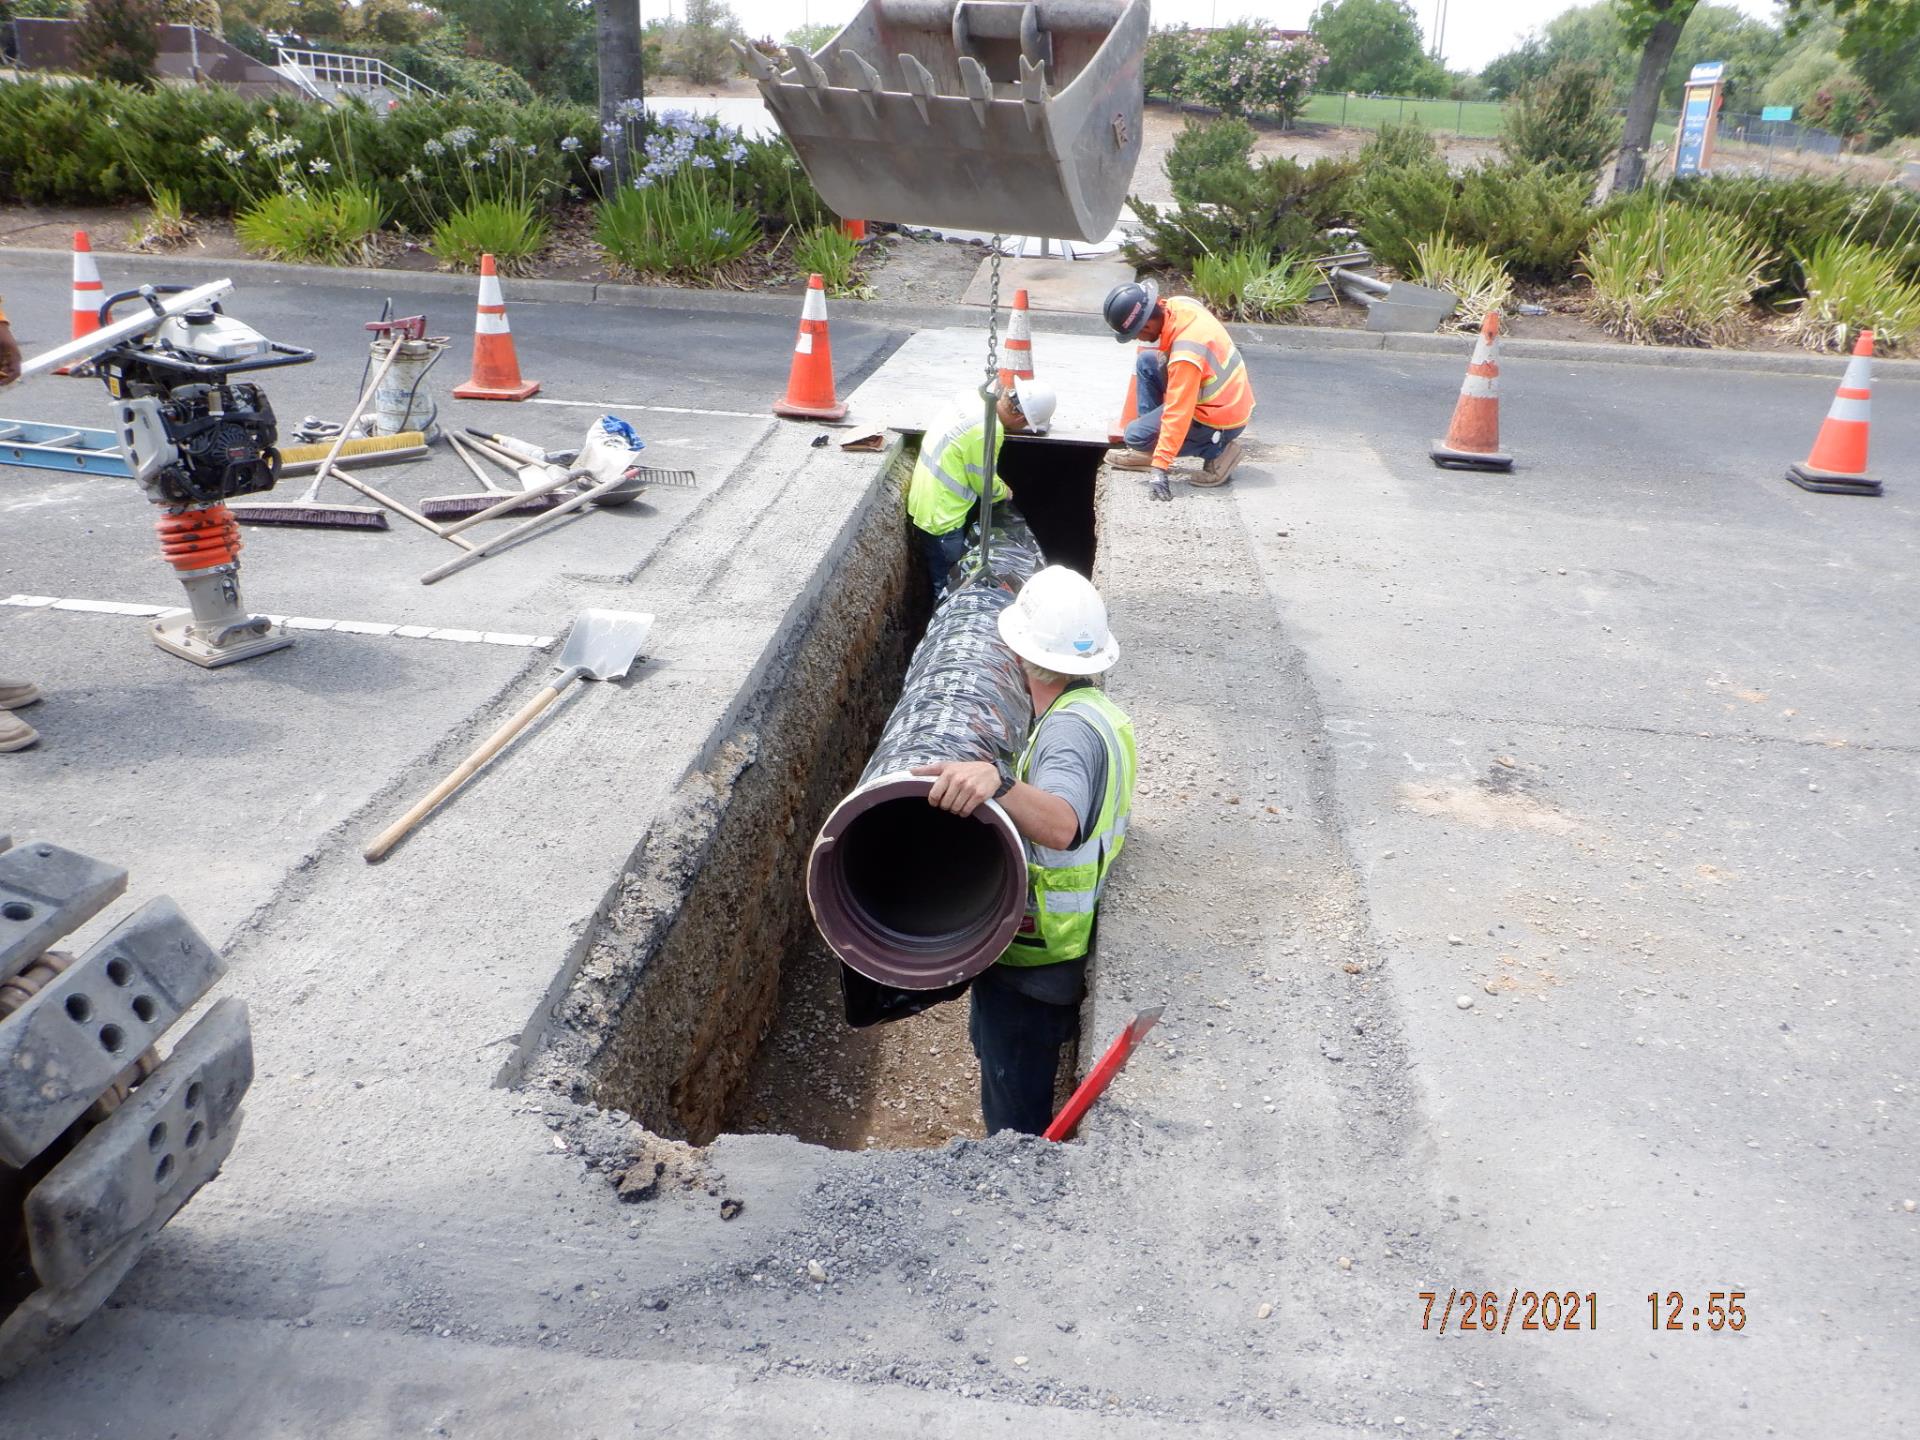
(917, 317)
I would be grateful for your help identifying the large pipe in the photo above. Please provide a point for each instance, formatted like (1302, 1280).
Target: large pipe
(907, 895)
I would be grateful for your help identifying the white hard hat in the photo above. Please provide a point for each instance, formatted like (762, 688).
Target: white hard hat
(1037, 402)
(1058, 621)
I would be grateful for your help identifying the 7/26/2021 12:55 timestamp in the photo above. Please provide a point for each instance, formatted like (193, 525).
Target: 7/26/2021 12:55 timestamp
(1487, 1312)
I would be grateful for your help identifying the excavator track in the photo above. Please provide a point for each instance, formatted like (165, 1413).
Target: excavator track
(102, 1141)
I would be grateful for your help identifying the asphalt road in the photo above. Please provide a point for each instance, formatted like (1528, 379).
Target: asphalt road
(1620, 748)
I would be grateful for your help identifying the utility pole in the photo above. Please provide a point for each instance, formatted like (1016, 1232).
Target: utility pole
(1439, 48)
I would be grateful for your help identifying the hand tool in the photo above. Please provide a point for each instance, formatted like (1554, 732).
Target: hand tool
(1101, 1076)
(602, 645)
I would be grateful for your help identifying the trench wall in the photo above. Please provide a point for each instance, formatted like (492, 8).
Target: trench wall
(683, 980)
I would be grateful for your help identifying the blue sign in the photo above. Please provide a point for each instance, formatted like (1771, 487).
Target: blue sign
(1776, 114)
(1696, 118)
(1709, 73)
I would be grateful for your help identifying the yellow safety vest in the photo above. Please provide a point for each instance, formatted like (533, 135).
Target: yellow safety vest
(948, 476)
(1063, 886)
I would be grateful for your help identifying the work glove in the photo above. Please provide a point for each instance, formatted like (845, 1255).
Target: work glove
(9, 355)
(1157, 488)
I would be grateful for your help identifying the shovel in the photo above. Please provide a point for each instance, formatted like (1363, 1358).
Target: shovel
(1401, 306)
(601, 646)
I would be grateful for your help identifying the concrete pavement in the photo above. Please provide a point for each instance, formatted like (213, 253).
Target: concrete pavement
(1392, 756)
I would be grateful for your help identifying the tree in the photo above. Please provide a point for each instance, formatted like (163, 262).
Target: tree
(1520, 66)
(699, 48)
(1564, 122)
(620, 68)
(1750, 49)
(1655, 25)
(1373, 45)
(550, 42)
(811, 37)
(119, 40)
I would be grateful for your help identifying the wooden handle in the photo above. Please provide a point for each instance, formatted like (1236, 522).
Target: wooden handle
(389, 837)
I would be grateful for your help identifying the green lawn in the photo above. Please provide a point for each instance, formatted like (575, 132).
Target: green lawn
(1453, 117)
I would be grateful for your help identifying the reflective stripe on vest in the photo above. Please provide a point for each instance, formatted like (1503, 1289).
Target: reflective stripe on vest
(1064, 886)
(1225, 386)
(949, 475)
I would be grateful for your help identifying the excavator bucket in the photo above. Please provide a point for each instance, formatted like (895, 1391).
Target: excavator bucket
(1020, 117)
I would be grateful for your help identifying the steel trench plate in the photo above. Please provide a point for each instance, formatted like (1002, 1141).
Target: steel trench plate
(66, 1045)
(145, 1161)
(47, 892)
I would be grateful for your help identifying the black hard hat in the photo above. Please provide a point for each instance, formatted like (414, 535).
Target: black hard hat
(1129, 307)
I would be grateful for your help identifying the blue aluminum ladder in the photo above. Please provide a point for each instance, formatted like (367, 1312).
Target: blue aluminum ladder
(62, 447)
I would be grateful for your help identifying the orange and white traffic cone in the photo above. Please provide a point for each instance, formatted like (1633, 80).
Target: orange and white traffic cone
(1838, 464)
(1473, 439)
(496, 369)
(810, 394)
(1016, 351)
(87, 295)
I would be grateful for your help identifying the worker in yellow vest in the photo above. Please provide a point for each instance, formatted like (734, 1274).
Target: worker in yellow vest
(950, 475)
(1191, 387)
(1070, 796)
(15, 733)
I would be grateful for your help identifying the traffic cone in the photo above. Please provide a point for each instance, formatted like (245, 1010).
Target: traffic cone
(87, 295)
(854, 229)
(496, 369)
(1473, 440)
(1838, 464)
(810, 394)
(1129, 409)
(1016, 355)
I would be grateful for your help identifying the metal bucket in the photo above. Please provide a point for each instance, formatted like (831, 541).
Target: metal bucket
(1016, 116)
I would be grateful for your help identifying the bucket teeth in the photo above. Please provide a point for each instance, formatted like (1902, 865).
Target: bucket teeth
(866, 80)
(973, 76)
(807, 69)
(919, 84)
(757, 64)
(1033, 91)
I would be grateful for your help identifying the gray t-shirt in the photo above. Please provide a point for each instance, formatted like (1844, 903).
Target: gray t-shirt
(1069, 760)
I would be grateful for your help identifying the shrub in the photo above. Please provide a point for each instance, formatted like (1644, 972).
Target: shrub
(1852, 287)
(1201, 152)
(683, 227)
(1564, 122)
(167, 225)
(1169, 54)
(115, 40)
(1221, 277)
(1793, 214)
(1665, 273)
(1244, 72)
(1399, 143)
(697, 48)
(1277, 206)
(1481, 282)
(830, 253)
(512, 231)
(1530, 219)
(1279, 291)
(312, 227)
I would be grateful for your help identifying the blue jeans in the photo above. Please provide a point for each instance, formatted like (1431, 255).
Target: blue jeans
(1149, 395)
(942, 553)
(1018, 1040)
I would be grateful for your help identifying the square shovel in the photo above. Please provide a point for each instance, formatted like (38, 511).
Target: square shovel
(602, 645)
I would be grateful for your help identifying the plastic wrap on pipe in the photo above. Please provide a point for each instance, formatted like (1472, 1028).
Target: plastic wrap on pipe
(915, 901)
(965, 697)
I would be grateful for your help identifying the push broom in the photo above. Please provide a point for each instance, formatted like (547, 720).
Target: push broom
(308, 510)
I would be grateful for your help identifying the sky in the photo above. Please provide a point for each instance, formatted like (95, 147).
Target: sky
(1477, 30)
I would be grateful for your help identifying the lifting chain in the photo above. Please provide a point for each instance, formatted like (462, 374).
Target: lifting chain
(990, 394)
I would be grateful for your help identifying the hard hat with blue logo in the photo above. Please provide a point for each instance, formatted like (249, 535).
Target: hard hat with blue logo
(1059, 622)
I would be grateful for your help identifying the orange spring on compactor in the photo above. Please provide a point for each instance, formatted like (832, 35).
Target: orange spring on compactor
(199, 539)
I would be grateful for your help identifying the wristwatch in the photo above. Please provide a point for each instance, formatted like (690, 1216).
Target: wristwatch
(1006, 780)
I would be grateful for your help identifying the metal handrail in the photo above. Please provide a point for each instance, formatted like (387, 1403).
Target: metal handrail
(362, 71)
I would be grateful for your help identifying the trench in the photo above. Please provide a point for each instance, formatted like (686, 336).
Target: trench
(709, 1001)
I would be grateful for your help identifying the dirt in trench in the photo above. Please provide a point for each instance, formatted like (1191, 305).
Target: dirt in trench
(910, 1084)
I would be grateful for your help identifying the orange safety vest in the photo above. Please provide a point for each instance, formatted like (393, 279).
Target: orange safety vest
(1192, 335)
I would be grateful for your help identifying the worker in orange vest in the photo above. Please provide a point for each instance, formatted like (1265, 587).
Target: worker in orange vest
(1191, 387)
(15, 733)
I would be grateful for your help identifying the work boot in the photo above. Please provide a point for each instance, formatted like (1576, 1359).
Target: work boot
(1131, 460)
(1219, 470)
(16, 693)
(15, 733)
